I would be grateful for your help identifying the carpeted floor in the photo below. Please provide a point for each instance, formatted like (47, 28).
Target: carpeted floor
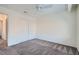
(39, 47)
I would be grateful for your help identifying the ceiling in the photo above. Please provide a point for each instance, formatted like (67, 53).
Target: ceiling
(35, 9)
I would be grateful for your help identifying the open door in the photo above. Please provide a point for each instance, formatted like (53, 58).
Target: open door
(3, 31)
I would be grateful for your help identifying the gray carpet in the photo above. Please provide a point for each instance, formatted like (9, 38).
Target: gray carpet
(39, 47)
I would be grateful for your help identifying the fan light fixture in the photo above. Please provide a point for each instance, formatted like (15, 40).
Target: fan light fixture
(43, 6)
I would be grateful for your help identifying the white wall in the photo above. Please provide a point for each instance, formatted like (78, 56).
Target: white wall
(32, 29)
(77, 31)
(19, 29)
(57, 27)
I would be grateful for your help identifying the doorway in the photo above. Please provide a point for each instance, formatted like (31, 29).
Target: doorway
(3, 31)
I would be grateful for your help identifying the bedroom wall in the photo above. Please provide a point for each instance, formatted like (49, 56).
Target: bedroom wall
(58, 27)
(77, 31)
(19, 29)
(32, 28)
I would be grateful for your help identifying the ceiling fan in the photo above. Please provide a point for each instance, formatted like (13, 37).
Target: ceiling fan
(44, 6)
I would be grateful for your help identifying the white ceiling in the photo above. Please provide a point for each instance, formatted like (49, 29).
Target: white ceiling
(31, 9)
